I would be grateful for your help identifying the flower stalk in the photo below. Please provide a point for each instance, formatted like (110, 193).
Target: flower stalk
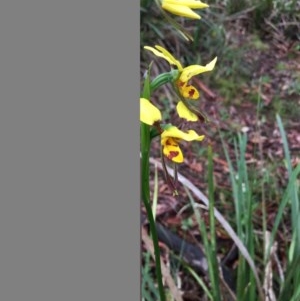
(145, 172)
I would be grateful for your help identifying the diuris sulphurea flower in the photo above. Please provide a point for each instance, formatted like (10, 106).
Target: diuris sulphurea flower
(170, 138)
(183, 7)
(185, 73)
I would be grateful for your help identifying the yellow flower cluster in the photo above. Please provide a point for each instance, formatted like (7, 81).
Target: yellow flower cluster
(149, 114)
(171, 136)
(185, 74)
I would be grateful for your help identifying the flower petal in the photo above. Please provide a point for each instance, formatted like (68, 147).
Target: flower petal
(161, 52)
(174, 132)
(148, 112)
(192, 70)
(172, 150)
(180, 10)
(188, 91)
(189, 3)
(185, 113)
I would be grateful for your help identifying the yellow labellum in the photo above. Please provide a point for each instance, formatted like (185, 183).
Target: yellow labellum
(187, 91)
(172, 150)
(170, 138)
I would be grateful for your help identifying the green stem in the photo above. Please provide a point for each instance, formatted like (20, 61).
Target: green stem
(145, 150)
(146, 136)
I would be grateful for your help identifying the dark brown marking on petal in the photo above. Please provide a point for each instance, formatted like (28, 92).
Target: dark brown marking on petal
(181, 84)
(172, 155)
(191, 92)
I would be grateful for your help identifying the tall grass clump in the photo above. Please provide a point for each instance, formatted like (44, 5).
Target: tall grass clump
(283, 283)
(278, 281)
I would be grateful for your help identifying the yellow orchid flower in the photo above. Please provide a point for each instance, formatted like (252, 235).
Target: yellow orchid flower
(185, 73)
(183, 7)
(149, 113)
(170, 139)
